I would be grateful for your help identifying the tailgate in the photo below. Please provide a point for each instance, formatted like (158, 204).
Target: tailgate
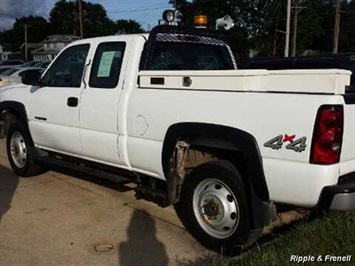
(347, 160)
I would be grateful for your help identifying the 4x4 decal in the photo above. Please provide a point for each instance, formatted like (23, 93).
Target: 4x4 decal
(277, 142)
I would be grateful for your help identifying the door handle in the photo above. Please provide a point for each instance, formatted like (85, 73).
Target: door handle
(72, 101)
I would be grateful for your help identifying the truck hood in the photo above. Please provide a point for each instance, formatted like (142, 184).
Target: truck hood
(15, 92)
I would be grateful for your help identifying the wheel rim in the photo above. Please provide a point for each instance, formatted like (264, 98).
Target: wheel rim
(18, 150)
(216, 208)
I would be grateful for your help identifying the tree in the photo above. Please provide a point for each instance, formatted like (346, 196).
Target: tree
(37, 29)
(265, 22)
(250, 14)
(347, 27)
(64, 19)
(250, 17)
(309, 27)
(128, 26)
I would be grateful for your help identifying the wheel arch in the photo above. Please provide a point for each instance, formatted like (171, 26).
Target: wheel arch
(239, 144)
(13, 107)
(17, 108)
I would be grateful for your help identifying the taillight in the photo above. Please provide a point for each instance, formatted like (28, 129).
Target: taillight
(327, 135)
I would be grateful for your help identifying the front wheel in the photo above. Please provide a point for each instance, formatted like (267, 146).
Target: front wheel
(21, 152)
(213, 207)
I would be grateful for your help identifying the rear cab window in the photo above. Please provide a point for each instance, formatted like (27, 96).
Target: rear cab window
(175, 51)
(106, 67)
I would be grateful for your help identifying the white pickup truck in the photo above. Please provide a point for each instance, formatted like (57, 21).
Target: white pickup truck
(172, 112)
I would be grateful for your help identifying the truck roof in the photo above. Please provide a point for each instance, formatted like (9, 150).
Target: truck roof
(109, 38)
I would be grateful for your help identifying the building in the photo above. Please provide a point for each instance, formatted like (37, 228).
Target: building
(30, 48)
(52, 45)
(4, 55)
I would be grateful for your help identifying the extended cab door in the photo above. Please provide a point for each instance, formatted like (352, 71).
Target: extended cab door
(99, 115)
(54, 107)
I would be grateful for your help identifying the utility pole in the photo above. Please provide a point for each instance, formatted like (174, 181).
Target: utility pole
(81, 19)
(297, 9)
(26, 48)
(287, 39)
(336, 27)
(294, 40)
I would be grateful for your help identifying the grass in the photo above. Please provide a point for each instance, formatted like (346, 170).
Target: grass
(332, 234)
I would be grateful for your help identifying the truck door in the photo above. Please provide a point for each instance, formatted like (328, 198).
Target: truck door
(54, 106)
(99, 118)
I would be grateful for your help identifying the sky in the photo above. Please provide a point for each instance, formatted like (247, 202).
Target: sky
(146, 12)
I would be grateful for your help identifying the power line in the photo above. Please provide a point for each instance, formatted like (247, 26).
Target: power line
(136, 10)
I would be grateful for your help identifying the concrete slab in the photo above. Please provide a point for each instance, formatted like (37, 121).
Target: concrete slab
(56, 219)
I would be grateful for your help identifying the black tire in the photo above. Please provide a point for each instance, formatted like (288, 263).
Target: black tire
(21, 151)
(222, 228)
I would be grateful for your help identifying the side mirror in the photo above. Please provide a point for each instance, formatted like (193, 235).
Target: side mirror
(31, 78)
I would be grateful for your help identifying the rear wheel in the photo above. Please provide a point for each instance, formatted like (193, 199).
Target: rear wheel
(21, 151)
(213, 207)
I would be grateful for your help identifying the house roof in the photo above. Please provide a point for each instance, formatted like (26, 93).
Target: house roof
(42, 51)
(65, 38)
(31, 45)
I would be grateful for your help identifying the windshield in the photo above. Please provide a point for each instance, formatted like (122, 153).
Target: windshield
(188, 52)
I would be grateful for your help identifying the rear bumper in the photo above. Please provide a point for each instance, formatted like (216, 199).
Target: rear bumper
(339, 197)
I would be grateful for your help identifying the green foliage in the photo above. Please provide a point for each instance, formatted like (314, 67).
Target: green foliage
(265, 22)
(261, 22)
(64, 19)
(14, 38)
(347, 27)
(252, 16)
(128, 26)
(332, 234)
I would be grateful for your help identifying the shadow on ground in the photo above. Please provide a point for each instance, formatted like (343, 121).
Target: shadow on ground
(8, 184)
(142, 246)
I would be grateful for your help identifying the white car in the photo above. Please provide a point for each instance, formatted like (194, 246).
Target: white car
(14, 75)
(11, 63)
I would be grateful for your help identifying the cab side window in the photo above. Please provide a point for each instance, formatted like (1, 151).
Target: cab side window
(106, 66)
(67, 70)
